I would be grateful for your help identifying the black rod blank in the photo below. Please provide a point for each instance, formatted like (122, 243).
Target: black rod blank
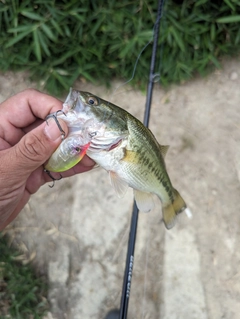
(134, 221)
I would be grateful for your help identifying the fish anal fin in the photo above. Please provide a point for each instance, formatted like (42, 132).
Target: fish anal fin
(144, 201)
(118, 184)
(163, 149)
(169, 216)
(171, 210)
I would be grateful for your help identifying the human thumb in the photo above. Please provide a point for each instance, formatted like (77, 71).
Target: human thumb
(37, 146)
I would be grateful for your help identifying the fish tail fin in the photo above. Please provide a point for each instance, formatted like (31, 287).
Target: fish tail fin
(171, 210)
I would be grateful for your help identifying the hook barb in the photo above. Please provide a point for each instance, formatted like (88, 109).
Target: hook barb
(53, 178)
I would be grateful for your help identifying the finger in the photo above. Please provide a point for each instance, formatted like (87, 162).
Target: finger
(25, 107)
(33, 149)
(16, 211)
(85, 165)
(86, 161)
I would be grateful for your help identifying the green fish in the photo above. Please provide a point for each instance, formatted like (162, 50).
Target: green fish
(123, 146)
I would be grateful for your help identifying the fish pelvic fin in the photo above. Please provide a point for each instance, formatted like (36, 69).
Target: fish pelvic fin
(143, 200)
(171, 210)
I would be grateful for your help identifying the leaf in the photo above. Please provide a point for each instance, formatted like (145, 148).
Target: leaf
(237, 39)
(32, 15)
(177, 24)
(97, 25)
(230, 4)
(200, 2)
(127, 48)
(56, 26)
(67, 31)
(43, 43)
(229, 19)
(21, 28)
(60, 79)
(37, 48)
(215, 61)
(65, 56)
(62, 72)
(87, 76)
(213, 32)
(48, 32)
(17, 38)
(78, 17)
(178, 39)
(4, 8)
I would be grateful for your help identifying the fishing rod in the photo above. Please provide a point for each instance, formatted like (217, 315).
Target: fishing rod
(122, 314)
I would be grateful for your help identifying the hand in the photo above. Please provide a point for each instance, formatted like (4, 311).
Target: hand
(26, 143)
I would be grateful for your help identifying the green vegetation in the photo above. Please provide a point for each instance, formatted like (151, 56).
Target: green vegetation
(59, 41)
(21, 292)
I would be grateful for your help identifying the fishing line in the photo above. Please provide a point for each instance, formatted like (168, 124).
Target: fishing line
(134, 69)
(156, 76)
(163, 17)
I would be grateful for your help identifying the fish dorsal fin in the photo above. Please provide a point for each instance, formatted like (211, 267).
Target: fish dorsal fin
(118, 184)
(163, 149)
(144, 201)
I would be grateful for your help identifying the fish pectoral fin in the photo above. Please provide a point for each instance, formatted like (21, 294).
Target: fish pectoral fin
(171, 211)
(144, 201)
(118, 184)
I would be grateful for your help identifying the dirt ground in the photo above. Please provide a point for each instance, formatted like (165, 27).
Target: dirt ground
(77, 232)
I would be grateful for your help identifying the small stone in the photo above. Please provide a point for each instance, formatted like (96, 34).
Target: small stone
(233, 76)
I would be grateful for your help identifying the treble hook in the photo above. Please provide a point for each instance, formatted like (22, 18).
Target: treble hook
(54, 116)
(53, 178)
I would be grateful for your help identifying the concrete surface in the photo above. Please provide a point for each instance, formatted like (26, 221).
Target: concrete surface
(77, 232)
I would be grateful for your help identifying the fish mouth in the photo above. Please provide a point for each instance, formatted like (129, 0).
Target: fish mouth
(74, 109)
(73, 101)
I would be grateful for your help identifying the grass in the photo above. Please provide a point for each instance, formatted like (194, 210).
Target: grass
(60, 41)
(22, 292)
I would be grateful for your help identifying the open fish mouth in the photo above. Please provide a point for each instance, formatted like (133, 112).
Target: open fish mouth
(73, 112)
(73, 102)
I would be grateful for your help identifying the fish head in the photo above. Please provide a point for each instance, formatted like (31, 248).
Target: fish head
(87, 106)
(102, 121)
(94, 125)
(81, 104)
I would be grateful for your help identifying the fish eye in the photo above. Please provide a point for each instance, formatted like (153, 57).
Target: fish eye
(92, 100)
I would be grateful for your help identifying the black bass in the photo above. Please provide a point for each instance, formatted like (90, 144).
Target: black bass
(123, 146)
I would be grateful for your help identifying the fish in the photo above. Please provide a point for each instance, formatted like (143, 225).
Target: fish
(124, 147)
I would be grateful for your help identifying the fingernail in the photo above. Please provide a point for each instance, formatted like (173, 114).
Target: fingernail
(51, 130)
